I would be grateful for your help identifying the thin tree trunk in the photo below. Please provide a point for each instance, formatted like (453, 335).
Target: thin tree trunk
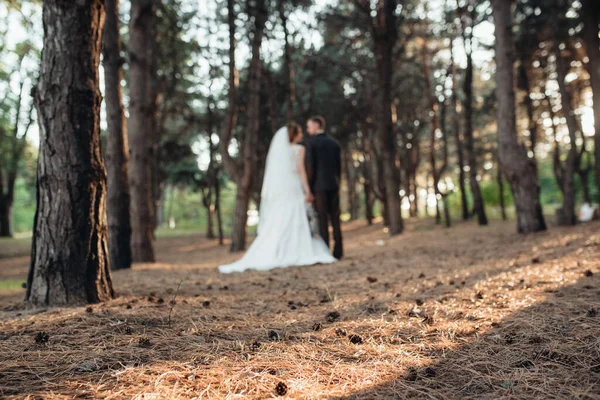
(438, 125)
(229, 163)
(5, 216)
(210, 225)
(117, 146)
(350, 183)
(591, 17)
(459, 145)
(70, 260)
(567, 213)
(367, 172)
(17, 146)
(141, 124)
(519, 170)
(211, 174)
(290, 90)
(218, 209)
(478, 204)
(250, 142)
(500, 181)
(533, 126)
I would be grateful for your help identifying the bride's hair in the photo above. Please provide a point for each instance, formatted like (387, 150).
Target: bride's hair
(293, 131)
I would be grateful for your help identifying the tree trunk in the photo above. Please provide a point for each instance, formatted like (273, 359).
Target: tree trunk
(526, 86)
(519, 170)
(250, 140)
(290, 90)
(17, 147)
(210, 224)
(478, 205)
(117, 146)
(385, 35)
(459, 146)
(5, 216)
(415, 192)
(229, 163)
(368, 201)
(591, 18)
(350, 183)
(438, 125)
(70, 261)
(567, 213)
(141, 124)
(584, 176)
(367, 172)
(218, 209)
(500, 182)
(218, 214)
(240, 219)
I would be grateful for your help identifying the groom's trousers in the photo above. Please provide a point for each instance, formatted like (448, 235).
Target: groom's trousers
(327, 205)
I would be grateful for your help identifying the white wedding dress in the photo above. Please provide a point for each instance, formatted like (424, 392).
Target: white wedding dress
(284, 238)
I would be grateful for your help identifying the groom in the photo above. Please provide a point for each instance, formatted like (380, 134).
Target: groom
(323, 167)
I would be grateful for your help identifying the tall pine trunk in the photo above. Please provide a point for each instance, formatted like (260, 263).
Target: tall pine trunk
(478, 204)
(591, 18)
(117, 146)
(141, 125)
(250, 140)
(384, 35)
(290, 89)
(567, 214)
(519, 170)
(460, 152)
(70, 261)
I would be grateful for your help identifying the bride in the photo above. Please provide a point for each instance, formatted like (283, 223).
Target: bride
(284, 237)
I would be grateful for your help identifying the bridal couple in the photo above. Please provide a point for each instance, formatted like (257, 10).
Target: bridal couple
(296, 176)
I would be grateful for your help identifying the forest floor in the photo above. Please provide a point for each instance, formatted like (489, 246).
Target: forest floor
(464, 313)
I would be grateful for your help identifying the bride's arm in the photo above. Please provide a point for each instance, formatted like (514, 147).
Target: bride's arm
(302, 170)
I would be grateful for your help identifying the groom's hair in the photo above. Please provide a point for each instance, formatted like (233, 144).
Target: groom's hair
(319, 120)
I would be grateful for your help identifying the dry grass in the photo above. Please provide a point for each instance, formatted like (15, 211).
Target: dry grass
(499, 316)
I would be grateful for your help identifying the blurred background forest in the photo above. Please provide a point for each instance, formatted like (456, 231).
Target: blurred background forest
(318, 57)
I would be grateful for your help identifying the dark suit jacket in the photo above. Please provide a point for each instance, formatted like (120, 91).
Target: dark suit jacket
(323, 163)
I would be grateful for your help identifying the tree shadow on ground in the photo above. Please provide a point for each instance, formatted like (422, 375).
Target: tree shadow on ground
(549, 350)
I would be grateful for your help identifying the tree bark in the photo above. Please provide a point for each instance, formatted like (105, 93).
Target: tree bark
(5, 216)
(218, 210)
(385, 35)
(460, 153)
(526, 86)
(519, 170)
(567, 213)
(250, 140)
(591, 18)
(290, 90)
(70, 261)
(350, 183)
(229, 163)
(438, 125)
(117, 145)
(500, 181)
(478, 204)
(367, 172)
(141, 125)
